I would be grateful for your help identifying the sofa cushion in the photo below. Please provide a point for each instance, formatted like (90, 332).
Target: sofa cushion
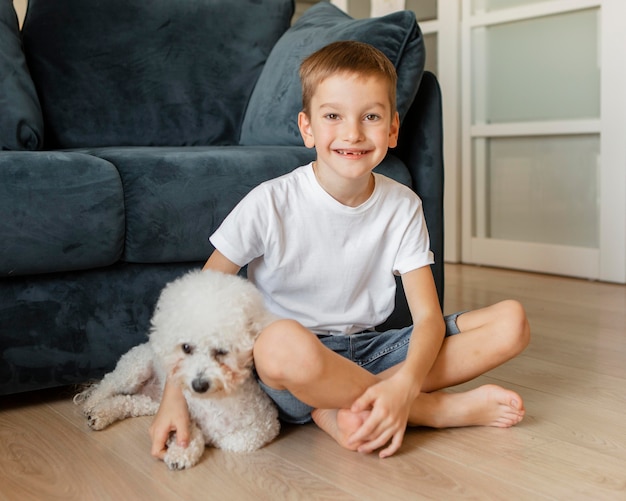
(164, 72)
(21, 123)
(73, 327)
(60, 212)
(177, 197)
(271, 117)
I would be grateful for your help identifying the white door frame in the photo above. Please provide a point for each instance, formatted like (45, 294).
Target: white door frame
(608, 261)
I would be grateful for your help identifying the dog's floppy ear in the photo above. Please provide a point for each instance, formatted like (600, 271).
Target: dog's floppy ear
(258, 322)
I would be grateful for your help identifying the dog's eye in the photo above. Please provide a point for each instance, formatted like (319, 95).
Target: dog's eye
(219, 353)
(187, 348)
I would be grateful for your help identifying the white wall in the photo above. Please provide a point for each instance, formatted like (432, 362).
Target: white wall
(20, 8)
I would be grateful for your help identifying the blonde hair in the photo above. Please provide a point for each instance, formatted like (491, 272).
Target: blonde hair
(349, 57)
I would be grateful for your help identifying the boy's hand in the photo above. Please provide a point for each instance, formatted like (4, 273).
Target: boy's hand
(389, 402)
(173, 416)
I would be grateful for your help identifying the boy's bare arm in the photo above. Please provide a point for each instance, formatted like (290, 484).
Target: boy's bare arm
(428, 325)
(173, 415)
(391, 399)
(218, 262)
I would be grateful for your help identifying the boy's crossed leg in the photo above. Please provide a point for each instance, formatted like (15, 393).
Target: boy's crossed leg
(488, 337)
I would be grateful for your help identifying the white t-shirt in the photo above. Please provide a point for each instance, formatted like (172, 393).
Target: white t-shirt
(329, 266)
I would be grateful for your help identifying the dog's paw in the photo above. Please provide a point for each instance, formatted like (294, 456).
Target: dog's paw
(180, 458)
(177, 461)
(98, 422)
(101, 415)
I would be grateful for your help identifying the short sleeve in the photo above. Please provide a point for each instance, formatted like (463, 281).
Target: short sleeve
(240, 237)
(414, 250)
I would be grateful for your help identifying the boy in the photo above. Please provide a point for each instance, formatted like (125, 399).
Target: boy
(323, 244)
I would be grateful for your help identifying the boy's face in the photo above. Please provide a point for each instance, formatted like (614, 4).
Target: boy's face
(351, 125)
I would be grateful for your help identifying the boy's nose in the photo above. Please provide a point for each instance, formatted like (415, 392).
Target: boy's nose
(353, 131)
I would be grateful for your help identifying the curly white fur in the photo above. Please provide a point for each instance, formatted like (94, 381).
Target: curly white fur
(202, 333)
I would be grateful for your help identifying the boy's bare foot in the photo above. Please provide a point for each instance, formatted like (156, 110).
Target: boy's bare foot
(340, 424)
(488, 405)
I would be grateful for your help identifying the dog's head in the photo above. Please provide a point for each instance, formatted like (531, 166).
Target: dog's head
(203, 331)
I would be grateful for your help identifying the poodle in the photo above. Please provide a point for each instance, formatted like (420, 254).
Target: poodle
(201, 337)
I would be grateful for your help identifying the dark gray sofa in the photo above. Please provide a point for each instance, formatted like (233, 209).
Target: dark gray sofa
(129, 129)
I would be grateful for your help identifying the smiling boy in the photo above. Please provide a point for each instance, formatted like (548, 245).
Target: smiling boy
(324, 244)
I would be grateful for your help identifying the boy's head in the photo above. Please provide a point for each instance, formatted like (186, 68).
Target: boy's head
(349, 57)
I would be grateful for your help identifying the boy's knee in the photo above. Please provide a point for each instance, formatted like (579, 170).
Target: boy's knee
(283, 352)
(514, 315)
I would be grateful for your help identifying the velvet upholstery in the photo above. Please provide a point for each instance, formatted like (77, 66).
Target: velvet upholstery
(176, 197)
(164, 72)
(21, 122)
(271, 117)
(60, 211)
(68, 328)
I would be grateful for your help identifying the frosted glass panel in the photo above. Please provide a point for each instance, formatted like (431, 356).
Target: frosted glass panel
(489, 5)
(359, 9)
(539, 69)
(539, 189)
(425, 10)
(430, 43)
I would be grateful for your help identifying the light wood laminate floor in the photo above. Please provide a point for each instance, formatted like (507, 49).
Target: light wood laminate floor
(572, 444)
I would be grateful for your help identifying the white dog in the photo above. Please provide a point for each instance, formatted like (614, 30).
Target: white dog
(202, 333)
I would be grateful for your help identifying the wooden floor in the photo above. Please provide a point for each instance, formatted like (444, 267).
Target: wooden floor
(572, 444)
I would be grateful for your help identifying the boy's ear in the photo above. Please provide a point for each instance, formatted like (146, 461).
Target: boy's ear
(394, 131)
(304, 124)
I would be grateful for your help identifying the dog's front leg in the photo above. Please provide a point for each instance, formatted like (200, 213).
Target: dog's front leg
(179, 458)
(133, 371)
(121, 407)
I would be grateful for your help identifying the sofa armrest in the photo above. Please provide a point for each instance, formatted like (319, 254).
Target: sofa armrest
(420, 147)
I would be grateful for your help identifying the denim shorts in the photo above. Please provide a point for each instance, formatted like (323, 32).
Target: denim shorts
(374, 351)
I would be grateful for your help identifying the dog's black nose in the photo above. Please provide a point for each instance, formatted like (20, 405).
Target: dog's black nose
(200, 385)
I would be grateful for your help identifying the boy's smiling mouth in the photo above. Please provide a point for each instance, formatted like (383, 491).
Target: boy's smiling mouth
(352, 153)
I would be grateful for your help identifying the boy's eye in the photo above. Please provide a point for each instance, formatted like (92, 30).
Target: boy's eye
(371, 117)
(331, 116)
(187, 348)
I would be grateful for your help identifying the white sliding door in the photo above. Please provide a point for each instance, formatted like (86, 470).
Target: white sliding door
(538, 185)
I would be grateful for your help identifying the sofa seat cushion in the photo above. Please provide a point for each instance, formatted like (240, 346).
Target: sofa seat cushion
(271, 117)
(60, 212)
(163, 72)
(176, 197)
(21, 123)
(69, 328)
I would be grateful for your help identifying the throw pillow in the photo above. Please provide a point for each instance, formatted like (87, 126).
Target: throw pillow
(148, 73)
(21, 124)
(271, 116)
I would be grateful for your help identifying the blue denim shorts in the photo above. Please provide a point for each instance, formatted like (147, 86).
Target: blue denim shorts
(374, 351)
